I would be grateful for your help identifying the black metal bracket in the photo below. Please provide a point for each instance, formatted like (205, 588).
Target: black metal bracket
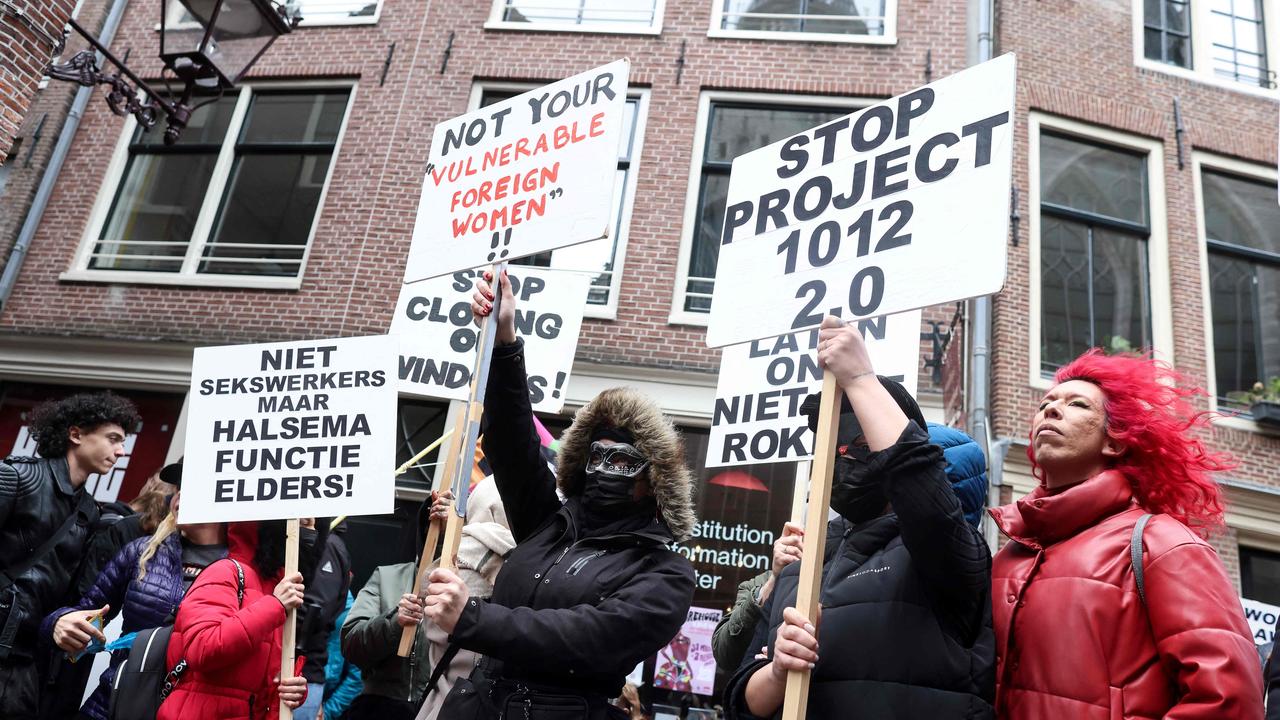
(928, 66)
(35, 139)
(1179, 131)
(941, 339)
(1015, 215)
(448, 50)
(680, 61)
(386, 64)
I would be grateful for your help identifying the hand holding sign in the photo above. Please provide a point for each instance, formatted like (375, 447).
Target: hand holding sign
(842, 351)
(482, 305)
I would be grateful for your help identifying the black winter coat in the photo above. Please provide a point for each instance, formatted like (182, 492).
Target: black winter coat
(326, 599)
(906, 605)
(36, 496)
(570, 611)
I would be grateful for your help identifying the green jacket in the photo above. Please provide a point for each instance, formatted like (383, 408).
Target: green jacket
(735, 630)
(371, 636)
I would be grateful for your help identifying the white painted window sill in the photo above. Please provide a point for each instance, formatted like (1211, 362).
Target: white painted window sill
(803, 37)
(133, 277)
(584, 29)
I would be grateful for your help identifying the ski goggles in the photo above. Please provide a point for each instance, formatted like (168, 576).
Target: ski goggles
(618, 459)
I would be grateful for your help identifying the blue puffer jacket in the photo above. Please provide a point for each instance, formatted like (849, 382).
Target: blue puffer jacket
(966, 469)
(147, 603)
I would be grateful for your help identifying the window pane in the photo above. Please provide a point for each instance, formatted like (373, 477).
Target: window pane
(208, 125)
(1233, 301)
(639, 13)
(1236, 30)
(154, 213)
(842, 17)
(1241, 212)
(1093, 179)
(319, 12)
(1177, 50)
(292, 117)
(1260, 575)
(1064, 292)
(271, 201)
(736, 130)
(1120, 296)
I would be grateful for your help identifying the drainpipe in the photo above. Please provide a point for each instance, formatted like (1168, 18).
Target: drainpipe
(19, 252)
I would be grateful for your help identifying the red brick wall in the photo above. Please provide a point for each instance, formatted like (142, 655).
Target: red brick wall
(1075, 60)
(25, 50)
(357, 256)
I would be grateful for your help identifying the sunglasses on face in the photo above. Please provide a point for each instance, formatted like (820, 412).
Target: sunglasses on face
(620, 459)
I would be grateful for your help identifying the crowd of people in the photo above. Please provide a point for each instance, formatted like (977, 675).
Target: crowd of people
(1105, 600)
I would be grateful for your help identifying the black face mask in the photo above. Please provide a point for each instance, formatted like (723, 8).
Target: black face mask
(856, 492)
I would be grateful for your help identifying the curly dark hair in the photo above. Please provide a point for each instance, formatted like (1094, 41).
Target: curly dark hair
(51, 420)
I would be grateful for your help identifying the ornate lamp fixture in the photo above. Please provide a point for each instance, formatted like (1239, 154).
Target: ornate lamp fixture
(209, 46)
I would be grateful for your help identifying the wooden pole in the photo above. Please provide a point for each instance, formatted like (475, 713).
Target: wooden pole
(408, 634)
(808, 593)
(289, 638)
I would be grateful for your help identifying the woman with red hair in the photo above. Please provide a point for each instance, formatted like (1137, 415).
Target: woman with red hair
(1108, 603)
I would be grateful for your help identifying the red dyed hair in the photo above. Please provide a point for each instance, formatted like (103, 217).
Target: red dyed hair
(1150, 411)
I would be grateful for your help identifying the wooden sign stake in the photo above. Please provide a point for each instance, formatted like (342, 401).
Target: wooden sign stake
(808, 593)
(289, 638)
(433, 530)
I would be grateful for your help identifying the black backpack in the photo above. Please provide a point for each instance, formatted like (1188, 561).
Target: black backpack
(144, 679)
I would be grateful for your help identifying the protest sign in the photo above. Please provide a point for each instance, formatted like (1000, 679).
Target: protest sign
(757, 415)
(686, 664)
(899, 206)
(289, 430)
(528, 174)
(438, 338)
(1262, 620)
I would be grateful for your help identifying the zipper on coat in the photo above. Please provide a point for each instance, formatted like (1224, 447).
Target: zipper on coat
(581, 562)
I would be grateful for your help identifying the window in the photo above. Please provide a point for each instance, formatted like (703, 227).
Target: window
(1167, 31)
(614, 16)
(236, 197)
(603, 258)
(826, 20)
(1223, 42)
(315, 13)
(733, 127)
(1242, 239)
(1260, 575)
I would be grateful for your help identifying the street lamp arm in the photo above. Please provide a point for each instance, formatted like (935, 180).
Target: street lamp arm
(123, 97)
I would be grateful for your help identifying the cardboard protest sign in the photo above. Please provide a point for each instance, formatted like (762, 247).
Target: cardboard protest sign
(289, 430)
(528, 174)
(902, 205)
(686, 664)
(1262, 620)
(757, 416)
(438, 338)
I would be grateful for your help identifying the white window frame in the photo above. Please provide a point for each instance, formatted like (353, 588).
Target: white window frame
(1201, 69)
(173, 13)
(1157, 242)
(608, 311)
(1200, 161)
(680, 316)
(890, 36)
(495, 22)
(188, 277)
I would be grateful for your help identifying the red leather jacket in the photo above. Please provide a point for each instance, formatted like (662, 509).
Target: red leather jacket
(233, 652)
(1074, 640)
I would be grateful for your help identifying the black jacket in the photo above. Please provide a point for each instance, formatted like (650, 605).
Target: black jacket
(906, 605)
(572, 610)
(36, 496)
(326, 599)
(1271, 683)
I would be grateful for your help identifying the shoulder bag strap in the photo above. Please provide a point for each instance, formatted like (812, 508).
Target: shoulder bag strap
(171, 680)
(1135, 555)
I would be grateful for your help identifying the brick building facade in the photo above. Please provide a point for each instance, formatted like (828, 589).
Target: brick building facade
(29, 35)
(100, 303)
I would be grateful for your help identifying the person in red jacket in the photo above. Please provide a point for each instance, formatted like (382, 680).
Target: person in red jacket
(1111, 442)
(232, 647)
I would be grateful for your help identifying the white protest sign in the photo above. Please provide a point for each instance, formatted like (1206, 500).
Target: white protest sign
(528, 174)
(757, 417)
(438, 338)
(289, 430)
(902, 205)
(1262, 620)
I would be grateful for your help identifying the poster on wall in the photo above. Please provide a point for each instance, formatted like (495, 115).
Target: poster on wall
(1262, 620)
(686, 663)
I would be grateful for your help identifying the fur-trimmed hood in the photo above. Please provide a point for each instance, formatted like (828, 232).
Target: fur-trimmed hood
(656, 437)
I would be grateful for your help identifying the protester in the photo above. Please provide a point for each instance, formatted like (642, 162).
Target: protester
(1077, 635)
(342, 681)
(906, 617)
(629, 702)
(326, 598)
(231, 644)
(145, 582)
(592, 587)
(46, 517)
(733, 635)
